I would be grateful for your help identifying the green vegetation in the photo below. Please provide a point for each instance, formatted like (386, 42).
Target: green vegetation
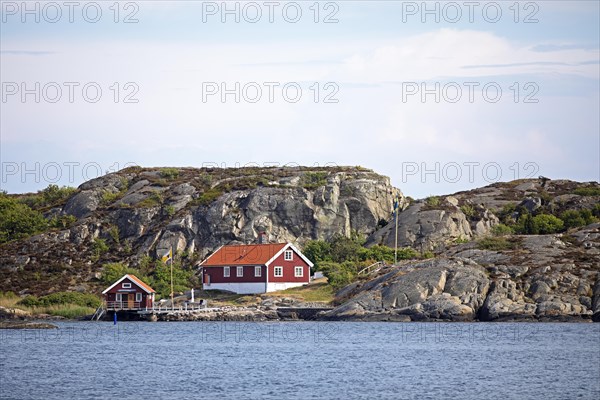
(154, 200)
(170, 210)
(588, 191)
(169, 173)
(313, 180)
(99, 247)
(113, 231)
(18, 220)
(342, 258)
(155, 273)
(53, 195)
(62, 298)
(111, 272)
(502, 230)
(468, 210)
(433, 201)
(540, 224)
(575, 218)
(497, 244)
(62, 221)
(209, 196)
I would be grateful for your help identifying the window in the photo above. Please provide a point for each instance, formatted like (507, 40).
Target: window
(138, 297)
(226, 272)
(278, 271)
(240, 271)
(288, 255)
(257, 271)
(118, 297)
(298, 272)
(127, 285)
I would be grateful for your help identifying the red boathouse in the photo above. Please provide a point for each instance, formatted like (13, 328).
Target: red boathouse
(129, 293)
(255, 268)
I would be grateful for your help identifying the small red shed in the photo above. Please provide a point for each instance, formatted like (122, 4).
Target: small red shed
(255, 268)
(129, 293)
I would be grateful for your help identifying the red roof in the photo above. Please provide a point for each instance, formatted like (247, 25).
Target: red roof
(141, 284)
(245, 254)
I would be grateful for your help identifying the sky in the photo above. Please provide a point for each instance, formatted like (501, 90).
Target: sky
(439, 96)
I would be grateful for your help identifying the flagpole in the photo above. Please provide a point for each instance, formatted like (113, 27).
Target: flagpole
(396, 239)
(172, 302)
(396, 207)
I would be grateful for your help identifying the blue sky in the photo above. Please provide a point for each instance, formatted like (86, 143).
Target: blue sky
(545, 120)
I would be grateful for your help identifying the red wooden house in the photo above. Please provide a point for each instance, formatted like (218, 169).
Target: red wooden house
(255, 268)
(129, 293)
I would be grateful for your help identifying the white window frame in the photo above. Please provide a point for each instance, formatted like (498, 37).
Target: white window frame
(239, 272)
(126, 285)
(119, 297)
(298, 268)
(226, 272)
(138, 297)
(257, 271)
(290, 253)
(275, 269)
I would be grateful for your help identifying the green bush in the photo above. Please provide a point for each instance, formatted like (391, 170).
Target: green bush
(317, 251)
(547, 223)
(313, 180)
(209, 196)
(111, 272)
(76, 298)
(339, 274)
(433, 201)
(114, 233)
(574, 218)
(62, 221)
(169, 173)
(154, 200)
(170, 210)
(99, 247)
(468, 210)
(18, 220)
(502, 230)
(588, 191)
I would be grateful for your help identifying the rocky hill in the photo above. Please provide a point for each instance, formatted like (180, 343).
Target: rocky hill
(140, 212)
(536, 277)
(485, 267)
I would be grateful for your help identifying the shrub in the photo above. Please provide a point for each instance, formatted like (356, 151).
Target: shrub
(76, 298)
(502, 230)
(588, 191)
(209, 196)
(114, 233)
(169, 210)
(62, 221)
(339, 274)
(574, 218)
(111, 272)
(317, 251)
(54, 194)
(155, 199)
(169, 173)
(99, 247)
(547, 223)
(432, 201)
(313, 180)
(18, 220)
(468, 210)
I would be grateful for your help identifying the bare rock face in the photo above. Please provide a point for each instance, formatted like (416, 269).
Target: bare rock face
(451, 289)
(422, 227)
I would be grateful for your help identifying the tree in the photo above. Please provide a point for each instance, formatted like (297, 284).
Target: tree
(18, 220)
(317, 251)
